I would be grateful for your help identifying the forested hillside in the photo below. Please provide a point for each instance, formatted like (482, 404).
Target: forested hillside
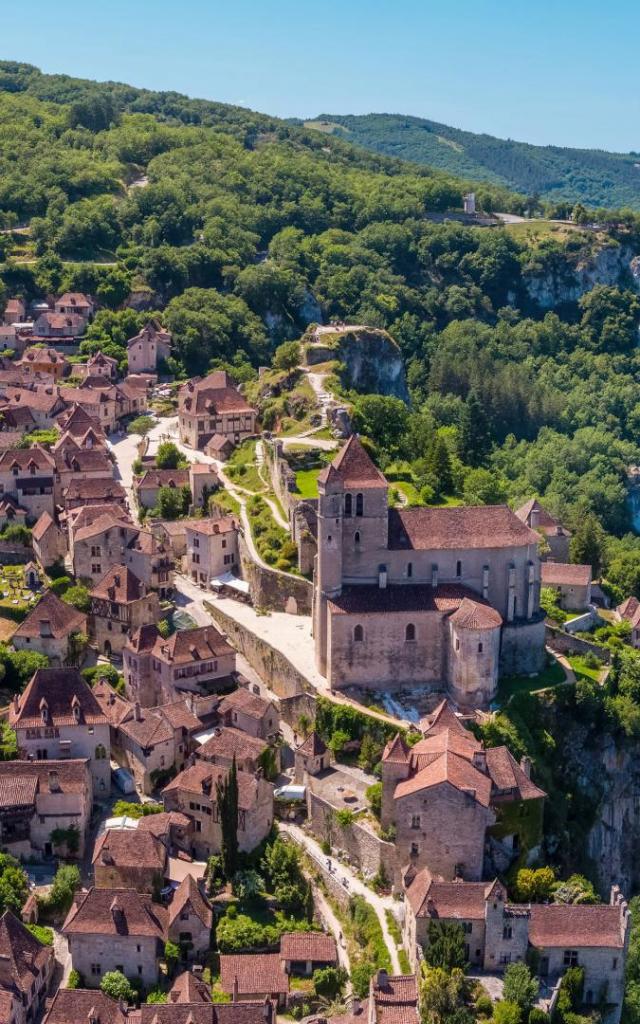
(557, 174)
(239, 230)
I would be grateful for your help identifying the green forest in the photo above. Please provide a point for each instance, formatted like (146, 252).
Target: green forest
(557, 174)
(239, 230)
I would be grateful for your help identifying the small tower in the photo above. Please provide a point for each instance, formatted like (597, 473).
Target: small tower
(396, 765)
(469, 203)
(474, 652)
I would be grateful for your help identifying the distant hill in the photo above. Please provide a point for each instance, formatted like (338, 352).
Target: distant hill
(591, 176)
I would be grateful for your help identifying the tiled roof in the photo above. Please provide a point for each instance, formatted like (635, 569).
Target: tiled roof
(353, 467)
(201, 778)
(429, 748)
(126, 848)
(396, 751)
(188, 989)
(23, 955)
(164, 478)
(114, 706)
(484, 526)
(457, 900)
(62, 618)
(255, 1012)
(243, 700)
(144, 638)
(452, 769)
(506, 774)
(442, 717)
(17, 790)
(545, 522)
(395, 999)
(212, 526)
(39, 355)
(100, 524)
(557, 574)
(369, 598)
(100, 487)
(44, 523)
(308, 946)
(16, 778)
(574, 926)
(74, 299)
(313, 746)
(255, 973)
(116, 912)
(214, 393)
(473, 615)
(228, 742)
(179, 715)
(120, 584)
(147, 730)
(189, 645)
(59, 692)
(24, 458)
(188, 895)
(79, 1005)
(160, 824)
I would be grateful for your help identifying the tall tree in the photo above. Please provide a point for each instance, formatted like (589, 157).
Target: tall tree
(587, 543)
(439, 464)
(227, 802)
(474, 444)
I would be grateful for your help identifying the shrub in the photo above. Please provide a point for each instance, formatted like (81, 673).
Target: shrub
(374, 796)
(115, 984)
(506, 1013)
(538, 1016)
(60, 585)
(75, 979)
(41, 933)
(484, 1005)
(328, 982)
(519, 987)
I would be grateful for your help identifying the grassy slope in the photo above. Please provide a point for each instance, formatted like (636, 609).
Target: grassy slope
(594, 177)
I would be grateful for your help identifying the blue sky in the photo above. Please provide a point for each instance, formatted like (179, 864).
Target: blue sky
(562, 72)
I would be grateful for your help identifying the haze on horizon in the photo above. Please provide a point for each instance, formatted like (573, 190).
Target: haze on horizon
(559, 74)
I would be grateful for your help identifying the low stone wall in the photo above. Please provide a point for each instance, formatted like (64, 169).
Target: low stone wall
(364, 848)
(283, 479)
(565, 643)
(277, 591)
(291, 708)
(273, 667)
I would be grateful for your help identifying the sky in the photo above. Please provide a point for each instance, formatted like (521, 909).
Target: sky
(561, 73)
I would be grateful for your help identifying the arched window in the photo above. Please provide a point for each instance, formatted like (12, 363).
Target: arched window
(410, 632)
(359, 505)
(348, 502)
(358, 634)
(409, 570)
(356, 537)
(480, 648)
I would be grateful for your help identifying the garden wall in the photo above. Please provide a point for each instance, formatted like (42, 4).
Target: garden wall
(565, 643)
(364, 848)
(279, 591)
(273, 667)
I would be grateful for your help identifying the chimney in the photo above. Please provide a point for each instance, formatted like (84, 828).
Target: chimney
(137, 711)
(267, 1009)
(54, 782)
(117, 913)
(382, 978)
(92, 1016)
(234, 997)
(525, 764)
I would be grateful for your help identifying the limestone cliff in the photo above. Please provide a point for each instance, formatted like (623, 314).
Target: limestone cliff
(370, 360)
(557, 280)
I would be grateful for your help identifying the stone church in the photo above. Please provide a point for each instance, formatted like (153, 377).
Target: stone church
(444, 598)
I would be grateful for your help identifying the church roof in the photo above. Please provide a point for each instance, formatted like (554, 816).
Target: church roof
(473, 615)
(458, 528)
(353, 467)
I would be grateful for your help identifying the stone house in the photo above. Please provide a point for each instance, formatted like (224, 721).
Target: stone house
(48, 540)
(39, 797)
(120, 604)
(26, 971)
(42, 404)
(226, 744)
(87, 463)
(190, 920)
(98, 365)
(252, 976)
(193, 792)
(27, 476)
(145, 350)
(49, 628)
(555, 534)
(393, 999)
(572, 583)
(115, 930)
(213, 405)
(100, 542)
(159, 669)
(311, 757)
(76, 421)
(174, 830)
(63, 326)
(219, 447)
(71, 1005)
(150, 560)
(75, 303)
(434, 597)
(250, 713)
(128, 859)
(58, 716)
(15, 312)
(212, 548)
(44, 360)
(199, 1011)
(101, 491)
(148, 486)
(203, 481)
(444, 794)
(303, 953)
(629, 610)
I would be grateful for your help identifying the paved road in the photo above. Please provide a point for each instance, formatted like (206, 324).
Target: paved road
(379, 903)
(125, 451)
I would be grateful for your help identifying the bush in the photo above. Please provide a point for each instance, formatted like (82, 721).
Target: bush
(60, 898)
(41, 933)
(484, 1005)
(60, 585)
(506, 1013)
(79, 597)
(75, 979)
(538, 1016)
(328, 982)
(115, 985)
(140, 425)
(374, 796)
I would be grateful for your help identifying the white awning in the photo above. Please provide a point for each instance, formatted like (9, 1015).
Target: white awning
(229, 580)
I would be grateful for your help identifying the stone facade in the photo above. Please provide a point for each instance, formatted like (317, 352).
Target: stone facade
(120, 604)
(157, 670)
(40, 797)
(211, 548)
(213, 405)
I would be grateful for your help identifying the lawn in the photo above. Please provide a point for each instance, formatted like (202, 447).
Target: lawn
(242, 468)
(14, 595)
(552, 675)
(536, 230)
(583, 670)
(307, 483)
(224, 500)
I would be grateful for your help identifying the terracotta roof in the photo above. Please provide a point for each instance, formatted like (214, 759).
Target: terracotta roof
(179, 715)
(144, 638)
(459, 900)
(630, 610)
(213, 526)
(62, 619)
(473, 615)
(243, 700)
(71, 777)
(77, 1006)
(188, 895)
(77, 421)
(188, 989)
(452, 769)
(24, 458)
(557, 574)
(44, 398)
(201, 778)
(44, 523)
(115, 707)
(442, 717)
(120, 584)
(228, 742)
(506, 773)
(575, 925)
(396, 751)
(313, 746)
(17, 790)
(483, 526)
(395, 999)
(100, 524)
(245, 1012)
(545, 522)
(39, 355)
(74, 299)
(116, 912)
(255, 973)
(308, 946)
(98, 487)
(189, 645)
(160, 824)
(163, 478)
(58, 692)
(429, 748)
(60, 321)
(218, 442)
(147, 730)
(23, 955)
(213, 394)
(353, 467)
(85, 460)
(366, 599)
(125, 848)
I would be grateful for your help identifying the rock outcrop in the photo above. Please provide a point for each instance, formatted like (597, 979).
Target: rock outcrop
(370, 360)
(563, 282)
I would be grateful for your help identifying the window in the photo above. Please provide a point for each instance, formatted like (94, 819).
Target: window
(415, 849)
(196, 542)
(184, 916)
(415, 821)
(348, 505)
(467, 927)
(96, 969)
(356, 537)
(224, 543)
(139, 968)
(570, 958)
(101, 753)
(480, 648)
(138, 949)
(458, 568)
(410, 633)
(507, 932)
(614, 966)
(96, 570)
(409, 570)
(359, 505)
(358, 634)
(457, 644)
(185, 936)
(505, 958)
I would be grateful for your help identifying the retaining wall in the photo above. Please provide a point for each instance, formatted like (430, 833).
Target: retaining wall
(364, 848)
(565, 643)
(279, 591)
(299, 704)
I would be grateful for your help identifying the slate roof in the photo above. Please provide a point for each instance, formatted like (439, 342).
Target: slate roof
(116, 912)
(472, 527)
(60, 690)
(62, 618)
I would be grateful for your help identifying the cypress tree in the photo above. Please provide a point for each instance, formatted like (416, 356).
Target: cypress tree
(439, 464)
(474, 444)
(227, 802)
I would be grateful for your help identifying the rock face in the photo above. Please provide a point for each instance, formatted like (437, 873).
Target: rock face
(563, 282)
(613, 839)
(371, 361)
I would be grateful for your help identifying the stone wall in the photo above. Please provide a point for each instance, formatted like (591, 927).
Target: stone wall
(292, 707)
(275, 670)
(565, 643)
(275, 590)
(365, 849)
